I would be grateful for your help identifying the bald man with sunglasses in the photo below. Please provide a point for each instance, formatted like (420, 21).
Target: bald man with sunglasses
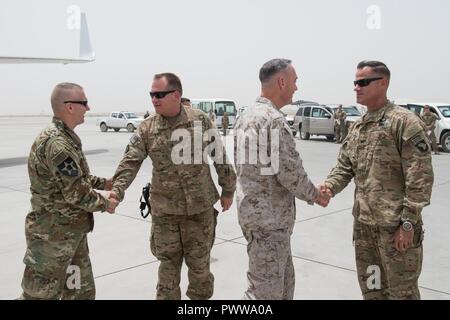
(387, 153)
(63, 199)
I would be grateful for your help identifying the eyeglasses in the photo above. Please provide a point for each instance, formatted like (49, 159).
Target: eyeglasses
(83, 102)
(160, 94)
(365, 82)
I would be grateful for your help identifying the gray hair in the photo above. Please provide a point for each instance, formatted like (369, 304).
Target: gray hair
(60, 93)
(272, 67)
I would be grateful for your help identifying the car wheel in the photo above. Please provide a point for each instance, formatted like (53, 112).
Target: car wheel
(103, 127)
(304, 135)
(130, 127)
(445, 141)
(116, 129)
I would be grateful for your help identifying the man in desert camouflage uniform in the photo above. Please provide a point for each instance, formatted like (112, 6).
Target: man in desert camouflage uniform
(266, 192)
(429, 118)
(182, 193)
(225, 123)
(62, 201)
(387, 153)
(339, 124)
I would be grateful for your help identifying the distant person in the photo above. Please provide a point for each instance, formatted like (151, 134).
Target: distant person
(429, 118)
(186, 102)
(147, 114)
(266, 195)
(212, 116)
(182, 194)
(339, 124)
(387, 153)
(225, 123)
(62, 202)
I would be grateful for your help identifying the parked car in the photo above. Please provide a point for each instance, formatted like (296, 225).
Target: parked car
(289, 112)
(319, 120)
(118, 120)
(442, 110)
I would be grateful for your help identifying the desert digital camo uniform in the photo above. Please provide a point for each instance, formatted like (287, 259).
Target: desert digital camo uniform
(182, 199)
(387, 153)
(225, 123)
(266, 203)
(62, 202)
(339, 125)
(429, 118)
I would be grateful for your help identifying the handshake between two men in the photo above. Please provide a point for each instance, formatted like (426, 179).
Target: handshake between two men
(324, 196)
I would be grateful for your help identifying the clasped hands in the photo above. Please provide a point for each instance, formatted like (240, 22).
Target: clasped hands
(324, 196)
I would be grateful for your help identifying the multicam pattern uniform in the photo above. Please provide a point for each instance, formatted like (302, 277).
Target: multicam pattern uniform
(266, 203)
(388, 154)
(62, 202)
(182, 199)
(429, 118)
(339, 125)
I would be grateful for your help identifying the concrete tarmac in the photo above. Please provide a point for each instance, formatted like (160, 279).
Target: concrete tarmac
(124, 267)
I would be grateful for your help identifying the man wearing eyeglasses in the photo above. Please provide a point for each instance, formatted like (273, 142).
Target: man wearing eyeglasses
(183, 193)
(57, 264)
(387, 152)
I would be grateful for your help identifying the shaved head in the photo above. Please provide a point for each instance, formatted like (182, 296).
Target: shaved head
(61, 93)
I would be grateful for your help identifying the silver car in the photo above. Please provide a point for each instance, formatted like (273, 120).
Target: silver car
(319, 120)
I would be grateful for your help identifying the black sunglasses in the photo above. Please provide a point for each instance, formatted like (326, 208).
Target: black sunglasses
(84, 102)
(160, 94)
(365, 82)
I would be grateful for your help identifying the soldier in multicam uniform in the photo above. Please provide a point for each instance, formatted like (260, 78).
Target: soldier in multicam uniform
(62, 201)
(339, 124)
(182, 195)
(387, 153)
(266, 200)
(225, 123)
(429, 118)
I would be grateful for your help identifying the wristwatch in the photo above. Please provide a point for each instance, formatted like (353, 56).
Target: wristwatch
(406, 225)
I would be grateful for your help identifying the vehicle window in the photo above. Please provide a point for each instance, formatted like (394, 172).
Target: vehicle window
(352, 111)
(114, 115)
(205, 106)
(130, 115)
(318, 113)
(415, 108)
(120, 116)
(307, 111)
(299, 112)
(445, 110)
(225, 106)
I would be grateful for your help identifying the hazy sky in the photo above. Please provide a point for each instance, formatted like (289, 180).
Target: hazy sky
(217, 48)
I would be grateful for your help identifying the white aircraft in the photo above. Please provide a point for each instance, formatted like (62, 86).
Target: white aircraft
(86, 52)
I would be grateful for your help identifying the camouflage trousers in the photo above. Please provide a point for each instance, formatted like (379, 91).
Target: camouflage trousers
(433, 141)
(58, 269)
(340, 132)
(384, 272)
(190, 237)
(271, 273)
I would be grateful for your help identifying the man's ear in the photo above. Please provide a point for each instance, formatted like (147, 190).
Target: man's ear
(281, 82)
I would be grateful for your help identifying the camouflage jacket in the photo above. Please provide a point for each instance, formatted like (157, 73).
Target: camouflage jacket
(429, 119)
(269, 170)
(339, 117)
(62, 188)
(178, 188)
(388, 154)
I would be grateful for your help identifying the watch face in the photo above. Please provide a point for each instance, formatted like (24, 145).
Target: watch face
(407, 226)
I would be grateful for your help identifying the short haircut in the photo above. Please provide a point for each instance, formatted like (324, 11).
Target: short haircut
(173, 82)
(377, 66)
(272, 67)
(183, 99)
(60, 93)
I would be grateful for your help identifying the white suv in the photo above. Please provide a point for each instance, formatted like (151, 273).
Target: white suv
(442, 110)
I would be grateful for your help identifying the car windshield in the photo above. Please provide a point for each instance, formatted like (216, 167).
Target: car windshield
(130, 115)
(227, 106)
(445, 110)
(289, 110)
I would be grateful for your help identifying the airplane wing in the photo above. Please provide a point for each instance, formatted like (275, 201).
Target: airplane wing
(86, 52)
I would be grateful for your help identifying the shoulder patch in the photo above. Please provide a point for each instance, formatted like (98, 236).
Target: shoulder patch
(135, 139)
(420, 143)
(68, 167)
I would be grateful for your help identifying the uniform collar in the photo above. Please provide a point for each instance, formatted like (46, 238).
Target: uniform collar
(181, 119)
(266, 101)
(376, 116)
(63, 127)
